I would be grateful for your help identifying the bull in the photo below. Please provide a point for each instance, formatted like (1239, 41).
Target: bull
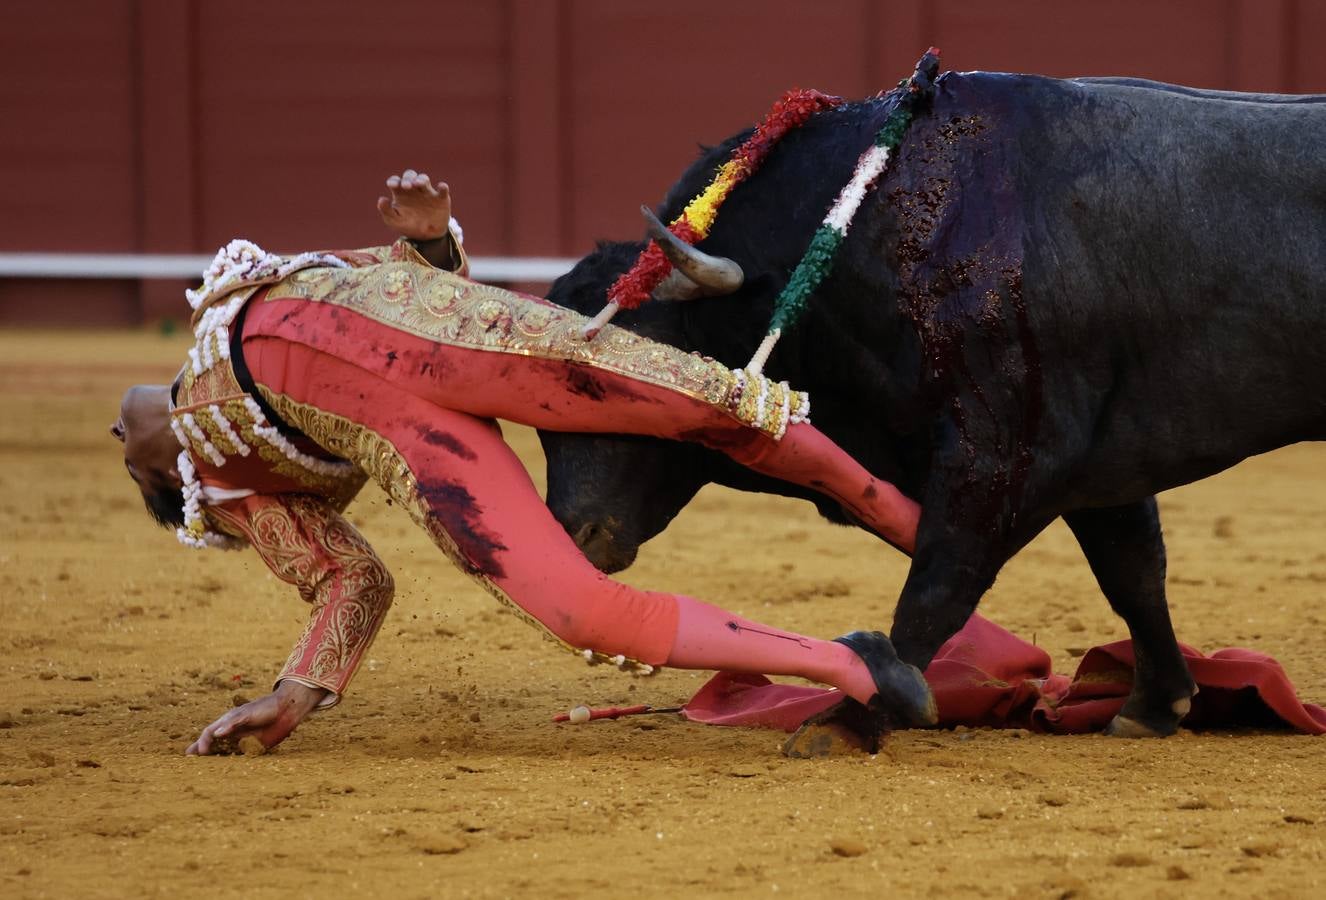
(1063, 297)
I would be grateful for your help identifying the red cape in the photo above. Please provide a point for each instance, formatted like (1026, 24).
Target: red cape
(986, 676)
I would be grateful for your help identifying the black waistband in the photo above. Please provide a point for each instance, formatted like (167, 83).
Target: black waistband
(245, 379)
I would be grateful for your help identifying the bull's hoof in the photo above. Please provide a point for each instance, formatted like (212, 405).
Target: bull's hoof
(1123, 727)
(1161, 722)
(845, 727)
(901, 690)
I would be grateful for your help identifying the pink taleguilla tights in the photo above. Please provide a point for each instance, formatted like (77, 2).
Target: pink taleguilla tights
(480, 498)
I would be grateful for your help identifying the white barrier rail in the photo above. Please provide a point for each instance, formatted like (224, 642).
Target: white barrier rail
(160, 265)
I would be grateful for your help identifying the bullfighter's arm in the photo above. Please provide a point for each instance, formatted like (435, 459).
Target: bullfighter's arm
(421, 211)
(305, 542)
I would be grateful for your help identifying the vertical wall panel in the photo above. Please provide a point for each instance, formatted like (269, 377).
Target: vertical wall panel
(1305, 63)
(1258, 58)
(164, 82)
(537, 192)
(894, 35)
(1178, 40)
(650, 82)
(303, 113)
(67, 157)
(166, 168)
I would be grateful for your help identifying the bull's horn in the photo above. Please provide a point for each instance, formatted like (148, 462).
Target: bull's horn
(677, 286)
(713, 275)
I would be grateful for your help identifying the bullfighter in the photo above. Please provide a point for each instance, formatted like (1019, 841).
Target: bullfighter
(312, 374)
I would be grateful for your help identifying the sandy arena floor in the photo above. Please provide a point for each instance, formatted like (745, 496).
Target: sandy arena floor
(441, 774)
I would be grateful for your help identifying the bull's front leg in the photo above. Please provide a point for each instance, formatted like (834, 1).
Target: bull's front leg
(956, 560)
(960, 547)
(1126, 551)
(974, 519)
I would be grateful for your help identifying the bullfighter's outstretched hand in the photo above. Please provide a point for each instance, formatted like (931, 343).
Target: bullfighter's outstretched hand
(417, 208)
(270, 718)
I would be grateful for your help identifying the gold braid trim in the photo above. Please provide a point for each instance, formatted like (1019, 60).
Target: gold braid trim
(443, 307)
(219, 386)
(406, 294)
(385, 465)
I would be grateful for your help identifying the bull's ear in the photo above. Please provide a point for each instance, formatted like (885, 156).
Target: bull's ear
(708, 276)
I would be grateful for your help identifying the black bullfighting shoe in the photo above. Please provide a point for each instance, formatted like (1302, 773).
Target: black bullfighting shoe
(902, 697)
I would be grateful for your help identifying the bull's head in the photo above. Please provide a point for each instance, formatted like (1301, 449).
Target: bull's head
(694, 274)
(613, 493)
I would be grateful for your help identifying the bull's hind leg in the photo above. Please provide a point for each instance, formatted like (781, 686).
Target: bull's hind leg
(1126, 551)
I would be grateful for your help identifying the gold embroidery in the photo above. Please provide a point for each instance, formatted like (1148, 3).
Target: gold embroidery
(437, 305)
(307, 544)
(383, 462)
(218, 385)
(407, 294)
(341, 487)
(199, 390)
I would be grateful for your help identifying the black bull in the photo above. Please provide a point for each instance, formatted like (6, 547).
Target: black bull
(1063, 297)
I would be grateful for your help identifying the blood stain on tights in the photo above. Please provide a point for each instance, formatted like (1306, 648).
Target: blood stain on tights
(453, 509)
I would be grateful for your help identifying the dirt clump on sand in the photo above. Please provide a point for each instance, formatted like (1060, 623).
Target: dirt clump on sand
(251, 746)
(402, 791)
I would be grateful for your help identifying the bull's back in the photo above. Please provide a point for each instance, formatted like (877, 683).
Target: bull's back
(1176, 265)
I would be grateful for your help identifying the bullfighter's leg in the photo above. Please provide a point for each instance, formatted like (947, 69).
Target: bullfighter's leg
(557, 392)
(1126, 550)
(562, 395)
(470, 492)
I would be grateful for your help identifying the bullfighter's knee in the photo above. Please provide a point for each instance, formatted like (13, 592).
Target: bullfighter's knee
(613, 619)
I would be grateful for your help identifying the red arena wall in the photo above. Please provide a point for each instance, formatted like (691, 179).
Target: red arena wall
(171, 126)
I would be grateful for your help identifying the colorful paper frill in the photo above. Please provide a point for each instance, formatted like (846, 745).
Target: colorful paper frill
(817, 262)
(789, 113)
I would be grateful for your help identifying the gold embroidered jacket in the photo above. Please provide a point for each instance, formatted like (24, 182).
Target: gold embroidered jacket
(281, 494)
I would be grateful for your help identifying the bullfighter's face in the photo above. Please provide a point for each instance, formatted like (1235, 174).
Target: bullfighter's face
(150, 451)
